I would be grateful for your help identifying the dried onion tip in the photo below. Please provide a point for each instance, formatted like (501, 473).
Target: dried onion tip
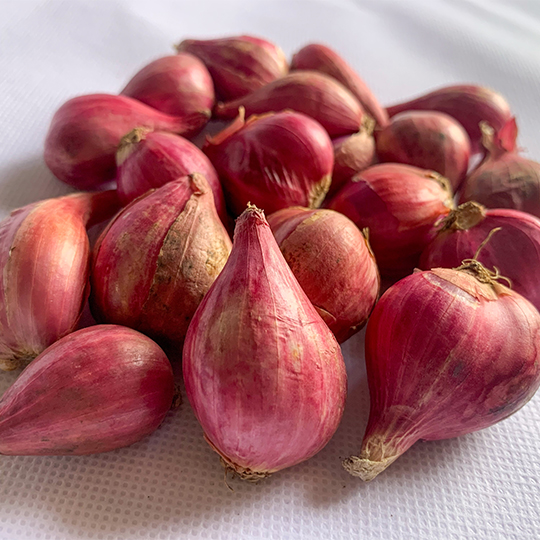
(333, 262)
(158, 258)
(274, 161)
(448, 352)
(45, 263)
(400, 205)
(309, 92)
(263, 373)
(95, 390)
(239, 65)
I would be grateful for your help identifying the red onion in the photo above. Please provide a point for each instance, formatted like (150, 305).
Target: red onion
(514, 250)
(95, 390)
(239, 65)
(85, 131)
(274, 161)
(448, 352)
(331, 259)
(308, 92)
(318, 57)
(179, 85)
(504, 179)
(429, 140)
(157, 258)
(400, 205)
(352, 154)
(263, 372)
(468, 104)
(44, 263)
(149, 159)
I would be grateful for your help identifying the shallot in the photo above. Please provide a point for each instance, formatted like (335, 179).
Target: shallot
(448, 352)
(504, 179)
(44, 264)
(157, 258)
(400, 205)
(274, 161)
(333, 262)
(95, 390)
(309, 92)
(263, 373)
(239, 65)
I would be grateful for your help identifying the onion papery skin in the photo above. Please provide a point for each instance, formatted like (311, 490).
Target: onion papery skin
(150, 159)
(446, 355)
(45, 264)
(309, 92)
(95, 390)
(179, 85)
(331, 259)
(273, 161)
(239, 65)
(85, 131)
(400, 205)
(157, 259)
(514, 250)
(469, 104)
(321, 58)
(263, 373)
(352, 154)
(428, 140)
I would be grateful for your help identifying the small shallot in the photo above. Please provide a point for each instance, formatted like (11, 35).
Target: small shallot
(44, 264)
(239, 65)
(468, 104)
(157, 258)
(331, 259)
(95, 390)
(149, 159)
(504, 179)
(274, 161)
(429, 140)
(514, 250)
(400, 205)
(309, 92)
(263, 373)
(321, 58)
(448, 352)
(85, 131)
(179, 85)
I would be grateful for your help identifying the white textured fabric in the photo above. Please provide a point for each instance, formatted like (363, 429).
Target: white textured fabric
(170, 486)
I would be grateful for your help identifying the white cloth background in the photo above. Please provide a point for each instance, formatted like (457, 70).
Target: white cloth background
(170, 486)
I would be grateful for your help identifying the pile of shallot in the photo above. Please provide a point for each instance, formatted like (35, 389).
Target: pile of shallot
(247, 258)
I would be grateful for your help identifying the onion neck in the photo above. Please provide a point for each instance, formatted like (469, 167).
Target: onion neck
(464, 217)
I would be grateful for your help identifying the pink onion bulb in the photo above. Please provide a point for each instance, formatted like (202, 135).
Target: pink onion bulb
(95, 390)
(263, 373)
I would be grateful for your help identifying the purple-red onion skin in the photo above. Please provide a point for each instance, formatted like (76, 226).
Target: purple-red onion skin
(321, 58)
(81, 143)
(309, 92)
(273, 161)
(428, 140)
(332, 261)
(179, 85)
(44, 263)
(514, 250)
(352, 154)
(239, 65)
(263, 373)
(157, 259)
(95, 390)
(150, 159)
(468, 104)
(446, 355)
(400, 206)
(504, 179)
